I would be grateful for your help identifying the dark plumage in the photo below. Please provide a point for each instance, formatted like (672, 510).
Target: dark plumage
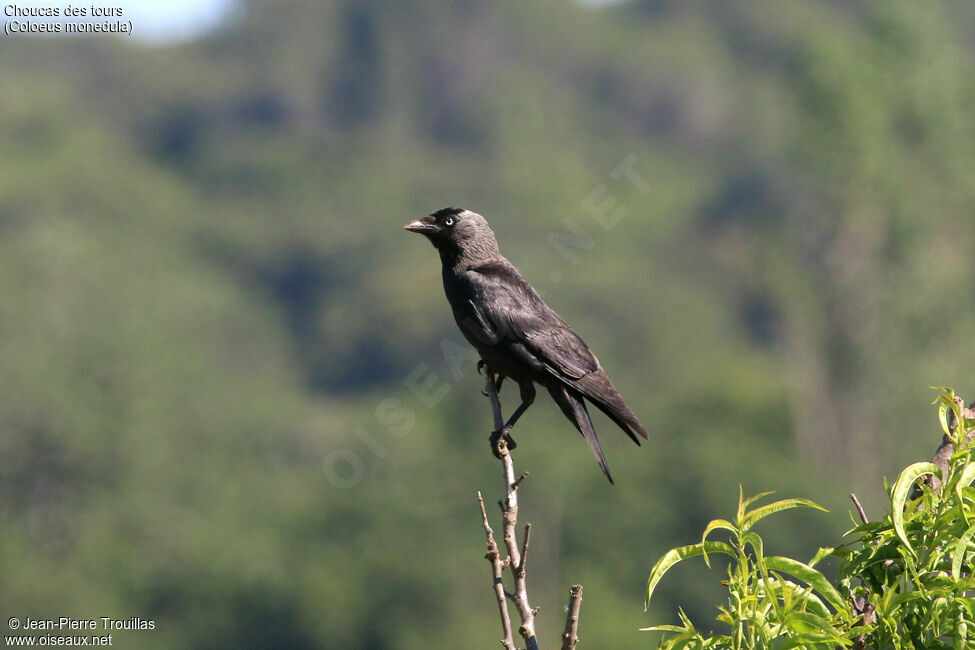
(517, 335)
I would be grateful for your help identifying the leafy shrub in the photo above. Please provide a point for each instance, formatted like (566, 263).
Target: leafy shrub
(902, 582)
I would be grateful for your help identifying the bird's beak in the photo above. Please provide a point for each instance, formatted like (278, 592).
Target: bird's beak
(424, 226)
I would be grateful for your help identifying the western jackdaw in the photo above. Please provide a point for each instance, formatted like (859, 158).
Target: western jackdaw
(517, 335)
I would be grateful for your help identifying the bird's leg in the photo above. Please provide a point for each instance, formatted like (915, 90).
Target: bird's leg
(492, 392)
(527, 398)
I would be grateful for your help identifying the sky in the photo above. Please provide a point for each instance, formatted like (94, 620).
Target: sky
(153, 20)
(177, 19)
(160, 21)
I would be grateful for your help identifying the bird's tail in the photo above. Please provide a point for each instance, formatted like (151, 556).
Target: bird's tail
(574, 408)
(599, 390)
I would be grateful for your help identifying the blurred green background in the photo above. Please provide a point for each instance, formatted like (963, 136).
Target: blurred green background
(232, 397)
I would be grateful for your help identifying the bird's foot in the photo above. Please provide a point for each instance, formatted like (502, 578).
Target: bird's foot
(502, 436)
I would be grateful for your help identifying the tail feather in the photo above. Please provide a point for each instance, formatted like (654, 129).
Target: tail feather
(623, 418)
(574, 408)
(599, 390)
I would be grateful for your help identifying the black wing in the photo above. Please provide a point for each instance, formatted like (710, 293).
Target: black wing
(507, 307)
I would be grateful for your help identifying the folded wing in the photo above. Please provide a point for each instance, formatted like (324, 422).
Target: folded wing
(509, 310)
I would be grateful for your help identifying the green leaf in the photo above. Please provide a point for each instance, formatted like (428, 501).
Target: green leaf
(756, 543)
(823, 552)
(945, 401)
(744, 503)
(958, 555)
(811, 601)
(675, 555)
(716, 524)
(891, 604)
(869, 527)
(966, 478)
(806, 641)
(759, 623)
(663, 628)
(810, 576)
(901, 490)
(806, 622)
(778, 506)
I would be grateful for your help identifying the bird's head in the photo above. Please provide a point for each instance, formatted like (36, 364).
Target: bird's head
(457, 233)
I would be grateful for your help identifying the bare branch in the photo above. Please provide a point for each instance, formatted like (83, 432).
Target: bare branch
(856, 502)
(492, 392)
(517, 557)
(869, 618)
(943, 455)
(494, 557)
(510, 521)
(571, 635)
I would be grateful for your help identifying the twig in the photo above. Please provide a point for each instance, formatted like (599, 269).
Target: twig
(524, 546)
(494, 557)
(571, 635)
(856, 502)
(510, 519)
(943, 455)
(869, 618)
(517, 558)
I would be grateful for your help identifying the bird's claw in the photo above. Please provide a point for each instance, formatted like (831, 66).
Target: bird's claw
(502, 435)
(480, 366)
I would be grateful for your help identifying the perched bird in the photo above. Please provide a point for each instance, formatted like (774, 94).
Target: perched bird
(517, 335)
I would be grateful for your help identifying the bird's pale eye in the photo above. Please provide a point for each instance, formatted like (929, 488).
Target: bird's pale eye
(449, 221)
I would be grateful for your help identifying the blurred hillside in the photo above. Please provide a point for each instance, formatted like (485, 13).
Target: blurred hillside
(215, 336)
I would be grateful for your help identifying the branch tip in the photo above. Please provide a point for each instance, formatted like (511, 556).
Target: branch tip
(571, 635)
(516, 557)
(856, 502)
